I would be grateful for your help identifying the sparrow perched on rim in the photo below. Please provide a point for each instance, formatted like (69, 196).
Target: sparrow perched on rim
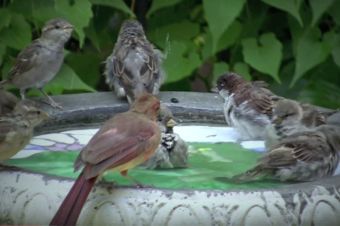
(290, 117)
(173, 151)
(16, 129)
(135, 65)
(247, 107)
(123, 142)
(39, 62)
(7, 102)
(303, 156)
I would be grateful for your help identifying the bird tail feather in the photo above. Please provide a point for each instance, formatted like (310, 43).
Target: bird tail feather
(250, 175)
(73, 203)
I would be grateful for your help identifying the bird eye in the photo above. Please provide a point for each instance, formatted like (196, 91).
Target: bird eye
(57, 26)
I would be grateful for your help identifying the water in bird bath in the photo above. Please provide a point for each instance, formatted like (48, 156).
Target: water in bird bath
(213, 153)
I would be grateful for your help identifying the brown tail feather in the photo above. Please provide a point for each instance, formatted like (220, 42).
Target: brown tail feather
(72, 205)
(250, 175)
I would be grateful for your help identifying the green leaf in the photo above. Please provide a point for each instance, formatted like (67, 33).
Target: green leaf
(43, 10)
(333, 39)
(79, 14)
(159, 4)
(118, 4)
(18, 34)
(183, 30)
(219, 15)
(243, 70)
(180, 62)
(66, 79)
(318, 8)
(219, 69)
(309, 53)
(2, 52)
(5, 18)
(290, 6)
(334, 11)
(265, 56)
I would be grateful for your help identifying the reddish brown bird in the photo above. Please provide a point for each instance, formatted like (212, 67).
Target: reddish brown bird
(123, 142)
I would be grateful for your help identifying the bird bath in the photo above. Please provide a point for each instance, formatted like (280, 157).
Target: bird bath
(32, 197)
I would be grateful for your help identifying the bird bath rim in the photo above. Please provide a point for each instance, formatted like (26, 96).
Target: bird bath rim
(289, 204)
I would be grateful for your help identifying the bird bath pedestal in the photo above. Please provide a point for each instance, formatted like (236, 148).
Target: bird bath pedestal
(33, 198)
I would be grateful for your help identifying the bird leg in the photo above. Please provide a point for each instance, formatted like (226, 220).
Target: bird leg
(136, 182)
(22, 94)
(50, 100)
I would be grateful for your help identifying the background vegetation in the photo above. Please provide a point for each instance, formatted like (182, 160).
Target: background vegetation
(294, 45)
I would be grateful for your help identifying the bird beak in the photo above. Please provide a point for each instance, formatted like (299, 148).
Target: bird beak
(44, 115)
(277, 120)
(214, 89)
(171, 123)
(68, 27)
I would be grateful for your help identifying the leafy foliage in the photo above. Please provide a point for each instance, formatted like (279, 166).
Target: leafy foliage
(294, 45)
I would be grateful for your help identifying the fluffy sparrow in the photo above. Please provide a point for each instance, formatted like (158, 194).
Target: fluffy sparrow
(247, 107)
(303, 156)
(16, 129)
(134, 66)
(38, 63)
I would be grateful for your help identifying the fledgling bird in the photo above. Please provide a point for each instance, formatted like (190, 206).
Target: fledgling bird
(303, 156)
(39, 62)
(16, 129)
(135, 65)
(290, 117)
(173, 151)
(7, 102)
(247, 107)
(123, 142)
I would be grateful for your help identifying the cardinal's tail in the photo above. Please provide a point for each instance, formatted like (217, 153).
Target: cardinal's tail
(70, 209)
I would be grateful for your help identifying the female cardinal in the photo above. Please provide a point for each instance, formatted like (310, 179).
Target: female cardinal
(123, 142)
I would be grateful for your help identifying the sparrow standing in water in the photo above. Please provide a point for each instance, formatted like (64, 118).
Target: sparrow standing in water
(123, 142)
(173, 151)
(134, 66)
(16, 129)
(247, 107)
(38, 63)
(7, 102)
(303, 156)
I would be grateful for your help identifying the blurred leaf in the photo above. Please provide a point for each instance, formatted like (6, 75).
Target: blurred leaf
(333, 39)
(183, 30)
(243, 70)
(318, 8)
(86, 65)
(159, 4)
(265, 56)
(5, 18)
(66, 79)
(18, 34)
(79, 14)
(334, 11)
(219, 69)
(92, 34)
(290, 6)
(118, 4)
(180, 62)
(219, 15)
(228, 38)
(43, 10)
(310, 52)
(2, 52)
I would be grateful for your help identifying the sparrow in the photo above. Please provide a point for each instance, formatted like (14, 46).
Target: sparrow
(39, 62)
(290, 117)
(7, 102)
(173, 151)
(303, 156)
(247, 106)
(135, 65)
(16, 129)
(123, 142)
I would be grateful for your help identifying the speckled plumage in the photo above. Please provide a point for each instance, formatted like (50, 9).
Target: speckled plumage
(134, 67)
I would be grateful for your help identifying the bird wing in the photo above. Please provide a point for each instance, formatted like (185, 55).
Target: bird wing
(26, 59)
(117, 143)
(306, 147)
(5, 127)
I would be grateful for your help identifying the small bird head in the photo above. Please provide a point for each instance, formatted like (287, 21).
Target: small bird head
(229, 82)
(286, 112)
(58, 30)
(147, 104)
(131, 30)
(31, 113)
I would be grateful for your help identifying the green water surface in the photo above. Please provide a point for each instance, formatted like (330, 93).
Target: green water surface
(210, 166)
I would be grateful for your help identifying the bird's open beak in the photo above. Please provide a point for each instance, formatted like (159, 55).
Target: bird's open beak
(171, 123)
